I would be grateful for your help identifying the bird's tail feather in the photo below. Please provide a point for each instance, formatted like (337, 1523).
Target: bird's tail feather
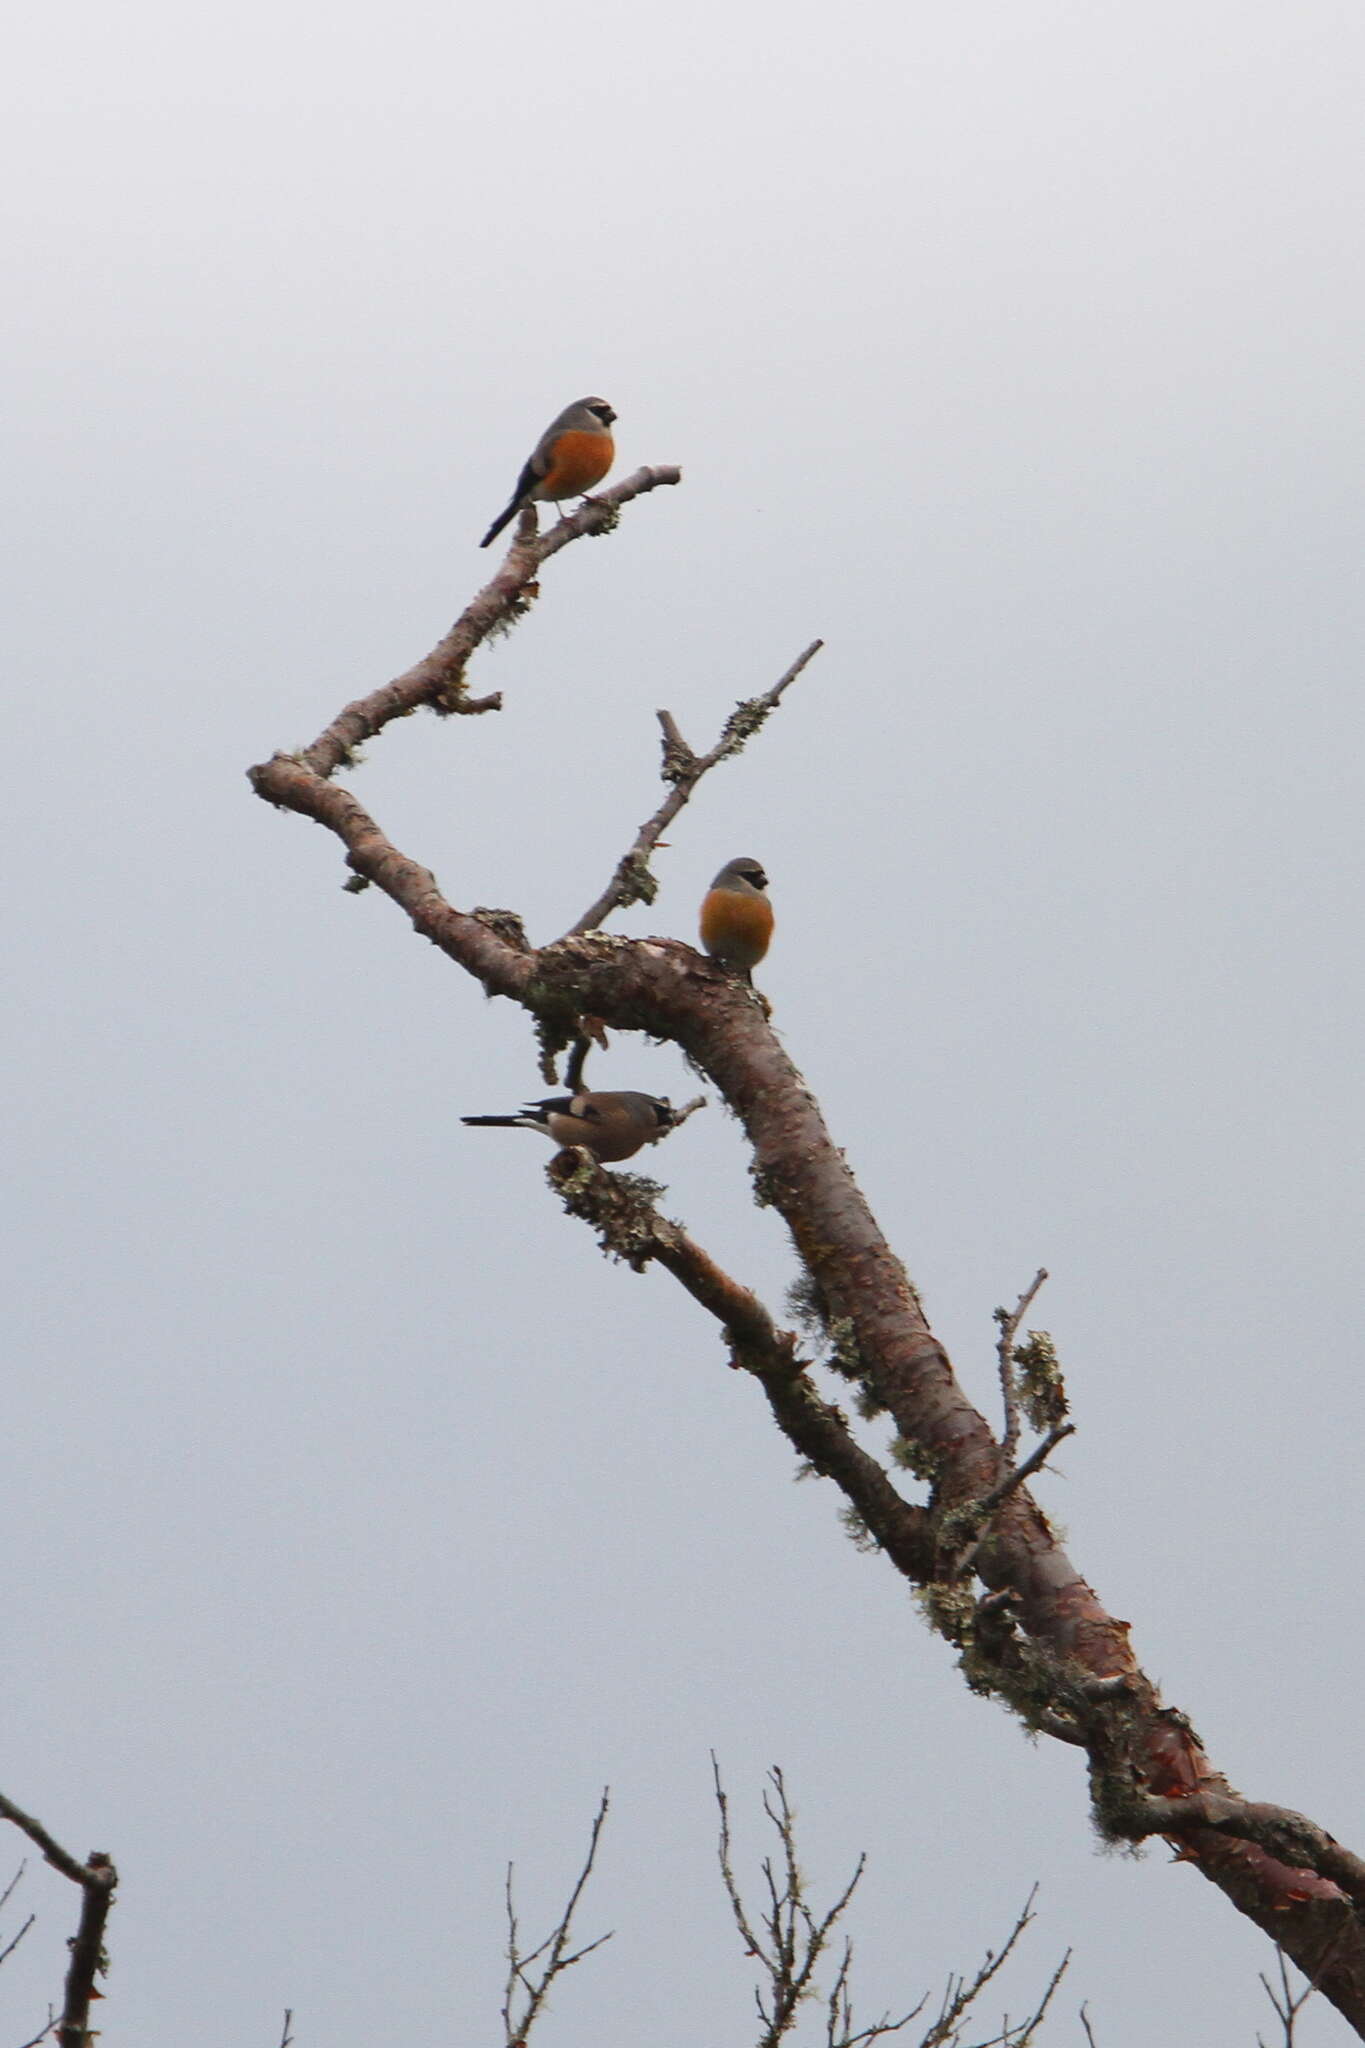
(498, 524)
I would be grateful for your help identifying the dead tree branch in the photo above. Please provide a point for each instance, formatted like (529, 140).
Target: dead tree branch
(632, 882)
(1048, 1637)
(521, 1982)
(97, 1878)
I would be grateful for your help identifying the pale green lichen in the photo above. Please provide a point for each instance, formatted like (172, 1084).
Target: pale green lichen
(1038, 1381)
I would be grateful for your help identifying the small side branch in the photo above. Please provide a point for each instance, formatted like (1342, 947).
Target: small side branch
(632, 881)
(1034, 1462)
(1291, 1837)
(1009, 1320)
(527, 1989)
(620, 1208)
(5, 1896)
(1288, 2003)
(438, 679)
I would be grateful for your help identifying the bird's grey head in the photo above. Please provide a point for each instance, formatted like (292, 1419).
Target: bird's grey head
(745, 869)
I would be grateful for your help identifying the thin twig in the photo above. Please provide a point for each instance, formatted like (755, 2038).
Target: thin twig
(519, 1966)
(1085, 2022)
(839, 2028)
(11, 1946)
(5, 1896)
(983, 1509)
(8, 1893)
(958, 1995)
(632, 881)
(286, 2037)
(1037, 1457)
(1288, 2011)
(1009, 1321)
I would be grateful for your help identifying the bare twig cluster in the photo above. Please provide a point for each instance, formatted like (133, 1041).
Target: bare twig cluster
(789, 1939)
(786, 1937)
(527, 1985)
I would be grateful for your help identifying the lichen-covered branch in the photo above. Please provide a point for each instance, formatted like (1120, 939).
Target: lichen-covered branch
(621, 1208)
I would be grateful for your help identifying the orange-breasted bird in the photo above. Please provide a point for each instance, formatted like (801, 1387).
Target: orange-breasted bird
(736, 916)
(574, 453)
(611, 1125)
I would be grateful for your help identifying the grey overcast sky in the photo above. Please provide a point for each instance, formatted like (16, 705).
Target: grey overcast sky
(360, 1522)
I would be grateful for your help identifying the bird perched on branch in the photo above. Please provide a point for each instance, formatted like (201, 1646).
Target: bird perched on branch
(574, 453)
(611, 1125)
(736, 916)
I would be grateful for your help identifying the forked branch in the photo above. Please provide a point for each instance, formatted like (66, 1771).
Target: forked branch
(527, 1988)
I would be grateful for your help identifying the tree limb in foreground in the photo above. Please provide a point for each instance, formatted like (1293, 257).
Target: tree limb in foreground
(992, 1575)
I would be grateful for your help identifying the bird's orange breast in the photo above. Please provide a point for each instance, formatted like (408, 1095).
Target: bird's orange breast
(580, 460)
(735, 928)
